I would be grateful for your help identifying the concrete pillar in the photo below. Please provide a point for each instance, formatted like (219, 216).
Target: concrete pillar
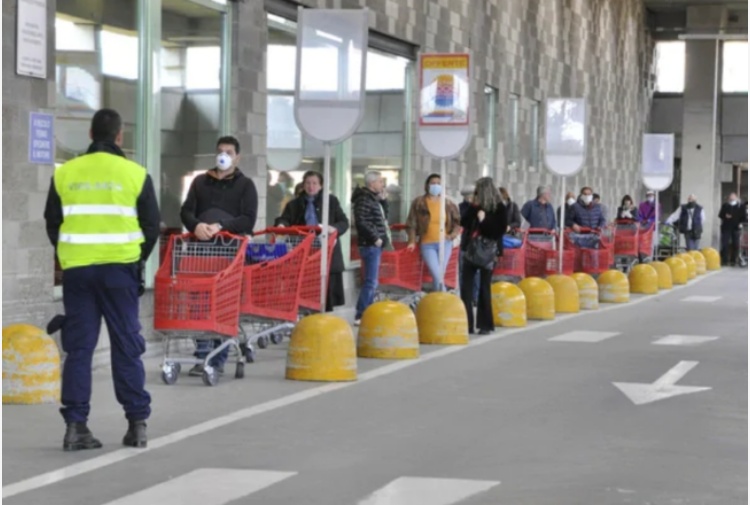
(701, 139)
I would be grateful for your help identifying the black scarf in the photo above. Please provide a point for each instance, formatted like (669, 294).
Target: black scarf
(105, 147)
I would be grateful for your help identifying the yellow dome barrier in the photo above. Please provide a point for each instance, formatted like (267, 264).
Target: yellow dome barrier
(664, 273)
(678, 268)
(441, 320)
(614, 287)
(643, 279)
(588, 291)
(388, 330)
(508, 305)
(700, 262)
(713, 259)
(566, 294)
(31, 366)
(322, 349)
(692, 270)
(540, 298)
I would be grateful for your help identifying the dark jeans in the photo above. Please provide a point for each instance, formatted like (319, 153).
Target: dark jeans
(204, 347)
(484, 303)
(691, 244)
(730, 246)
(371, 265)
(475, 290)
(90, 293)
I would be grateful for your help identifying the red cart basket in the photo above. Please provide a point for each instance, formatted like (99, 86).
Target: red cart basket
(310, 291)
(594, 261)
(542, 255)
(513, 261)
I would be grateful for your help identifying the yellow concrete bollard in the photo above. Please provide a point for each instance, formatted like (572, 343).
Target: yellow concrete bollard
(690, 264)
(588, 291)
(664, 273)
(388, 330)
(700, 262)
(679, 270)
(566, 294)
(441, 320)
(508, 305)
(713, 259)
(540, 298)
(322, 349)
(31, 366)
(614, 287)
(643, 279)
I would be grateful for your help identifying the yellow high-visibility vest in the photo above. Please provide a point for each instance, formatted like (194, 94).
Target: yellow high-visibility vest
(99, 194)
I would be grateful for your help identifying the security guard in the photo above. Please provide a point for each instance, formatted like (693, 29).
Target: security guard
(103, 220)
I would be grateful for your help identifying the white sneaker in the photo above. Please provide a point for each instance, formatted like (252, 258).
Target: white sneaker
(357, 321)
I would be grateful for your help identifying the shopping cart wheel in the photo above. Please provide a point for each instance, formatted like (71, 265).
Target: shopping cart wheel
(210, 378)
(239, 372)
(250, 355)
(170, 373)
(277, 338)
(263, 342)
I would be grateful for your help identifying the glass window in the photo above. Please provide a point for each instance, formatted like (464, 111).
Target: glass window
(172, 67)
(512, 136)
(73, 36)
(534, 137)
(119, 54)
(490, 108)
(670, 67)
(203, 68)
(735, 67)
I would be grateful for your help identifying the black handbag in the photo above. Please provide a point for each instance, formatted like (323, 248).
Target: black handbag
(481, 252)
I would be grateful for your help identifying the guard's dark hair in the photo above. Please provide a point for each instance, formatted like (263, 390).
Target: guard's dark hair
(427, 182)
(228, 139)
(313, 173)
(105, 125)
(596, 196)
(585, 188)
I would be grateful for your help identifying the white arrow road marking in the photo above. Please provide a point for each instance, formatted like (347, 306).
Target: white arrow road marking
(701, 299)
(663, 388)
(584, 336)
(206, 486)
(427, 491)
(683, 340)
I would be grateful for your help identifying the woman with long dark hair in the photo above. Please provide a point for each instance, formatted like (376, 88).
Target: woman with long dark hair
(484, 224)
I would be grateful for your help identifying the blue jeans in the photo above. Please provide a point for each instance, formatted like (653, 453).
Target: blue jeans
(431, 257)
(475, 294)
(203, 347)
(371, 264)
(692, 244)
(585, 240)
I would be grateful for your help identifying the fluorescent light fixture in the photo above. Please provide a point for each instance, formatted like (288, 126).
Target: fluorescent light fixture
(712, 36)
(383, 167)
(328, 36)
(308, 162)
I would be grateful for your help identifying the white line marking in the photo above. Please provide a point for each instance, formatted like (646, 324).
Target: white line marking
(683, 340)
(584, 336)
(111, 458)
(701, 299)
(426, 491)
(663, 388)
(207, 486)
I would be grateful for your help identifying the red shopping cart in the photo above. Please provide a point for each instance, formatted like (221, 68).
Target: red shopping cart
(543, 255)
(272, 285)
(513, 261)
(599, 257)
(401, 273)
(197, 295)
(627, 244)
(311, 278)
(646, 243)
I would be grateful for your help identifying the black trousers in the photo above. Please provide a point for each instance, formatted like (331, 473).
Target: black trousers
(730, 246)
(484, 302)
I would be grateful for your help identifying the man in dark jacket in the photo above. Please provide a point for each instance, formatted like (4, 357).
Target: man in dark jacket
(307, 210)
(539, 212)
(221, 199)
(732, 215)
(585, 214)
(689, 218)
(370, 209)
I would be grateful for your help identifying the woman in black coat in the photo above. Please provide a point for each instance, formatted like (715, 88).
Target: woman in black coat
(486, 218)
(307, 210)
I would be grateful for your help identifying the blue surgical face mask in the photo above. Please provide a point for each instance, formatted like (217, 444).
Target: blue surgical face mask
(435, 189)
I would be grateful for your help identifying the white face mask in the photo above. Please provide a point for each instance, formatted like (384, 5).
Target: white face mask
(650, 199)
(224, 161)
(587, 199)
(733, 202)
(571, 201)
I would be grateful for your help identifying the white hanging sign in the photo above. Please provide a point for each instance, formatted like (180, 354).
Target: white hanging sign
(565, 135)
(31, 38)
(657, 166)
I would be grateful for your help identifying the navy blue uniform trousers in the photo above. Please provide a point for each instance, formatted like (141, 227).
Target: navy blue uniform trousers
(90, 293)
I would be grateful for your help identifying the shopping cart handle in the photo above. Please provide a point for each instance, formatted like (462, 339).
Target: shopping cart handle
(286, 230)
(540, 231)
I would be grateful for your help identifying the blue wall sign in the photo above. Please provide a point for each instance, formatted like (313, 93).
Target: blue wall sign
(41, 138)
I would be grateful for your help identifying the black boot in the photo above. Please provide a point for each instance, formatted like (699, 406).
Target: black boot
(55, 324)
(78, 437)
(136, 435)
